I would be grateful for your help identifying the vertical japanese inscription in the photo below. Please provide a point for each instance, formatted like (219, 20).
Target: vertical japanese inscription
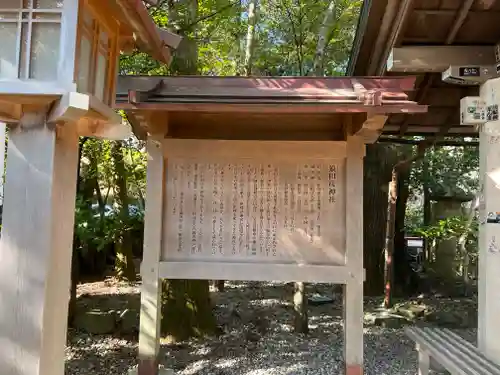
(221, 209)
(234, 206)
(250, 210)
(241, 207)
(332, 183)
(254, 212)
(275, 210)
(201, 212)
(194, 209)
(215, 200)
(261, 190)
(180, 219)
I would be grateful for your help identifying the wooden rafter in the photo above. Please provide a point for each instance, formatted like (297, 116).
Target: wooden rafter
(459, 20)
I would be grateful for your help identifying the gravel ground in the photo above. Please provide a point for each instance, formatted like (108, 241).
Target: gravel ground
(257, 339)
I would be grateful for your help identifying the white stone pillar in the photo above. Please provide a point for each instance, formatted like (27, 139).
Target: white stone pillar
(2, 158)
(35, 247)
(489, 232)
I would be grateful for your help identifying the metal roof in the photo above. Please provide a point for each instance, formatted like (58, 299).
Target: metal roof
(301, 107)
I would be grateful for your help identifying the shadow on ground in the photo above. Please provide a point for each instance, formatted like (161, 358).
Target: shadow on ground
(257, 337)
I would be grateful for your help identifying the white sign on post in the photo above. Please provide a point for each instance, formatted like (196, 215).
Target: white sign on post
(243, 210)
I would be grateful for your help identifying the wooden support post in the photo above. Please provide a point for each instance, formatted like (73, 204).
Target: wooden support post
(35, 247)
(353, 289)
(150, 319)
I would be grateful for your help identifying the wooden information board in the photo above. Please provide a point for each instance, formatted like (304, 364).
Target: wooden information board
(232, 204)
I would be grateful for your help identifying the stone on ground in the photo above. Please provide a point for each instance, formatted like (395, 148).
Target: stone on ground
(95, 321)
(129, 321)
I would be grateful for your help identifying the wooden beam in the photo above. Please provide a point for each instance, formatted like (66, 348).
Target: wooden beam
(436, 59)
(70, 108)
(35, 247)
(371, 129)
(257, 272)
(382, 37)
(398, 26)
(273, 107)
(459, 20)
(353, 289)
(150, 318)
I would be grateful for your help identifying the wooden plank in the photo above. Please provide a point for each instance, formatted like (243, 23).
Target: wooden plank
(471, 350)
(436, 59)
(353, 290)
(273, 107)
(35, 247)
(150, 316)
(254, 272)
(423, 362)
(453, 353)
(275, 150)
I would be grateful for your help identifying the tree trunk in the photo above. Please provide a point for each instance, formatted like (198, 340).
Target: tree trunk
(186, 307)
(378, 164)
(427, 204)
(324, 31)
(124, 263)
(403, 275)
(392, 195)
(252, 20)
(187, 310)
(462, 240)
(74, 259)
(219, 285)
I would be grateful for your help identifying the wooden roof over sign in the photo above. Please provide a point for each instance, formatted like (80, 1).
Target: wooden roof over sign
(263, 107)
(425, 37)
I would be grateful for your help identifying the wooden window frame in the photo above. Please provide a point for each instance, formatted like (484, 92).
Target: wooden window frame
(99, 24)
(25, 16)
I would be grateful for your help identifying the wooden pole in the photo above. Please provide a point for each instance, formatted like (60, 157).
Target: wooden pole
(150, 318)
(353, 289)
(35, 247)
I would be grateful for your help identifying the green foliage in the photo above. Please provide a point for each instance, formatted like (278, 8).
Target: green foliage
(452, 227)
(452, 172)
(445, 229)
(99, 224)
(288, 32)
(286, 36)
